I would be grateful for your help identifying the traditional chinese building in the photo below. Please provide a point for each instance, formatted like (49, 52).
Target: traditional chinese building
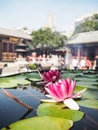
(84, 45)
(9, 40)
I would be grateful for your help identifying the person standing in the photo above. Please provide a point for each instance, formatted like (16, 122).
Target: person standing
(75, 63)
(82, 63)
(96, 63)
(88, 64)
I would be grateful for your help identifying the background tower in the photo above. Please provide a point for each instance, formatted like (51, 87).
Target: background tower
(50, 22)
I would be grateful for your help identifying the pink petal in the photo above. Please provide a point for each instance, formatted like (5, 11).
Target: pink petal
(46, 76)
(47, 84)
(71, 88)
(79, 93)
(58, 91)
(54, 78)
(52, 92)
(63, 91)
(70, 103)
(67, 84)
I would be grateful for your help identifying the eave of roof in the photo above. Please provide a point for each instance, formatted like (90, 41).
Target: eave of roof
(83, 38)
(15, 33)
(21, 50)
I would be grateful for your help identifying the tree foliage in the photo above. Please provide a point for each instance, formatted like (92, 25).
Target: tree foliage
(46, 38)
(90, 24)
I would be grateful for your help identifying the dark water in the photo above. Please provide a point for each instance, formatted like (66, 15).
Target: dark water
(11, 111)
(89, 122)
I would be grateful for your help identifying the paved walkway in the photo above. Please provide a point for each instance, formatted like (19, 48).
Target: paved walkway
(13, 68)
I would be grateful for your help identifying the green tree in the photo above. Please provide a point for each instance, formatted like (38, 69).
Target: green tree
(95, 17)
(46, 38)
(90, 24)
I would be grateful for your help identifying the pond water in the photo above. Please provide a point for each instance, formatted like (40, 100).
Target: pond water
(11, 111)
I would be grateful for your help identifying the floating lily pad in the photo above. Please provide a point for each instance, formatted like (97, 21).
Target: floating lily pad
(89, 97)
(42, 123)
(89, 103)
(88, 94)
(56, 110)
(68, 75)
(34, 79)
(8, 85)
(12, 81)
(33, 75)
(87, 85)
(86, 79)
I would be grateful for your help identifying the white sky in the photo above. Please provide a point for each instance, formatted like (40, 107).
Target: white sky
(33, 13)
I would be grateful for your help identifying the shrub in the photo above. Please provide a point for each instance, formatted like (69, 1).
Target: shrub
(32, 66)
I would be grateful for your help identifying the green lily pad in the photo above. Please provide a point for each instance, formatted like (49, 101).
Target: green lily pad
(89, 103)
(8, 85)
(87, 84)
(69, 75)
(34, 79)
(55, 110)
(42, 123)
(89, 97)
(21, 81)
(88, 94)
(33, 75)
(12, 81)
(91, 94)
(85, 79)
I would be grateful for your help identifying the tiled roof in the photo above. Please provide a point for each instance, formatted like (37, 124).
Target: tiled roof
(86, 37)
(15, 33)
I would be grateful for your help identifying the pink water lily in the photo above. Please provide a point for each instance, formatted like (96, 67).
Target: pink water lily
(63, 91)
(51, 76)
